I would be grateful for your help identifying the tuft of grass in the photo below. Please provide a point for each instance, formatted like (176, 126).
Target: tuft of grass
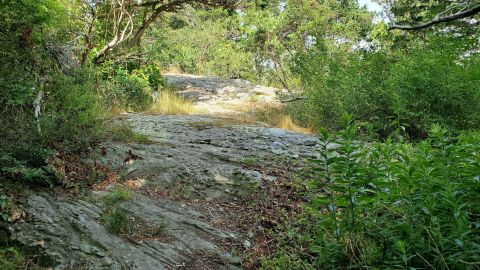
(116, 220)
(275, 116)
(250, 160)
(253, 98)
(286, 122)
(180, 191)
(115, 217)
(122, 132)
(119, 194)
(170, 103)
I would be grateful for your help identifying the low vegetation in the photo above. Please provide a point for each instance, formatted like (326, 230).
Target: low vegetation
(399, 91)
(12, 259)
(397, 185)
(167, 102)
(5, 205)
(116, 217)
(388, 205)
(276, 116)
(117, 195)
(122, 132)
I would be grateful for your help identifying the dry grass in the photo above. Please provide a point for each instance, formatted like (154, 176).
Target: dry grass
(170, 103)
(275, 116)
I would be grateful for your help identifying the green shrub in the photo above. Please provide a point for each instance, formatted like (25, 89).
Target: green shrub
(389, 205)
(133, 91)
(152, 74)
(130, 87)
(74, 112)
(20, 169)
(435, 86)
(71, 119)
(386, 91)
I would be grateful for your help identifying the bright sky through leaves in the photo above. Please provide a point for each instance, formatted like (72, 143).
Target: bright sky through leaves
(370, 5)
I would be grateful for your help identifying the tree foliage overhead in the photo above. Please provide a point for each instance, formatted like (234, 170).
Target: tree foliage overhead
(111, 24)
(415, 15)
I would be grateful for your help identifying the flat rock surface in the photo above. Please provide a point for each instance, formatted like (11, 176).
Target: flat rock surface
(189, 159)
(219, 95)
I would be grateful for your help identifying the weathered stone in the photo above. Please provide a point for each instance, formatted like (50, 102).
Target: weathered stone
(198, 157)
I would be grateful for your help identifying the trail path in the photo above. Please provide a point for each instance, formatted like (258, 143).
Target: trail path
(187, 185)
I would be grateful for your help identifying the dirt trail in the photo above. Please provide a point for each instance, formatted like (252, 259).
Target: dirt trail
(188, 187)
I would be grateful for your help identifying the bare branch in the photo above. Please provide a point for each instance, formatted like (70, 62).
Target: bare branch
(134, 37)
(437, 20)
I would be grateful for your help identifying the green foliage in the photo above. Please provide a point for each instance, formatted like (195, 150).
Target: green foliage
(250, 160)
(122, 132)
(386, 91)
(151, 73)
(5, 205)
(119, 194)
(74, 112)
(11, 259)
(130, 87)
(338, 82)
(434, 85)
(115, 217)
(390, 205)
(116, 220)
(32, 62)
(131, 91)
(202, 42)
(20, 169)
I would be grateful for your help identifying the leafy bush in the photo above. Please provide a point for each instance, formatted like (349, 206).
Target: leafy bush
(132, 91)
(435, 86)
(13, 168)
(384, 91)
(73, 112)
(389, 205)
(152, 74)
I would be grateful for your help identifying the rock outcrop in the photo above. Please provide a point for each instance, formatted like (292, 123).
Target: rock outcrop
(199, 157)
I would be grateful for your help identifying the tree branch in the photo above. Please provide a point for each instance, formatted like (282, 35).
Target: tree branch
(459, 15)
(158, 7)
